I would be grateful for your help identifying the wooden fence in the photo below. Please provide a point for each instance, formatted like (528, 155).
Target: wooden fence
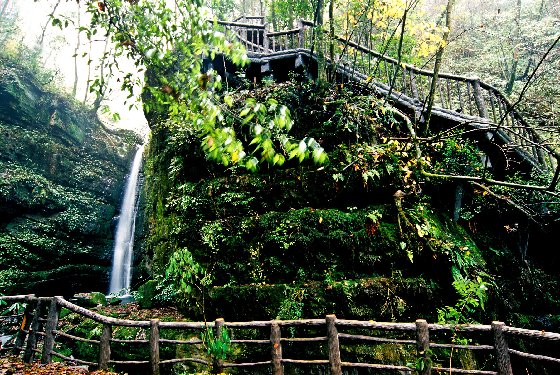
(462, 99)
(39, 332)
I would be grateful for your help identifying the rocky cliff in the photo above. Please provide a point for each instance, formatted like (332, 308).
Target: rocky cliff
(61, 177)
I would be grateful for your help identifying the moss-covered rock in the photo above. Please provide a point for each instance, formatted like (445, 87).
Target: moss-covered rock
(61, 177)
(364, 236)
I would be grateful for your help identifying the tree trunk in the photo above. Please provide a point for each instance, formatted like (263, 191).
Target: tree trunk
(3, 10)
(75, 87)
(320, 45)
(512, 73)
(273, 16)
(425, 129)
(101, 93)
(44, 28)
(332, 73)
(88, 74)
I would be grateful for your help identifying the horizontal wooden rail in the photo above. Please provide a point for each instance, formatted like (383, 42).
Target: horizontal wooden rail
(239, 24)
(75, 338)
(182, 360)
(538, 357)
(532, 333)
(376, 339)
(461, 371)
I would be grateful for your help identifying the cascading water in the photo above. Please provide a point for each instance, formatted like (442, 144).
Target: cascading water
(124, 238)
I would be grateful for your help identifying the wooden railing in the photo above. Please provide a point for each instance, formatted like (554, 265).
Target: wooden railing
(465, 100)
(328, 341)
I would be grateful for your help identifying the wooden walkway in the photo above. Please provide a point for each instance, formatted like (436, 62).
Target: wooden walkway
(270, 346)
(474, 105)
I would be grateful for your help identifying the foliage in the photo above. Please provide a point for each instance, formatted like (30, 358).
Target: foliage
(177, 86)
(216, 347)
(292, 306)
(382, 24)
(472, 299)
(146, 294)
(458, 156)
(305, 240)
(284, 13)
(187, 277)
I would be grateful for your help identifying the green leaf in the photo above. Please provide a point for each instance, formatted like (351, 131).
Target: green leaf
(244, 112)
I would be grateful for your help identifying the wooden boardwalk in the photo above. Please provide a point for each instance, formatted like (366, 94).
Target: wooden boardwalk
(270, 346)
(468, 103)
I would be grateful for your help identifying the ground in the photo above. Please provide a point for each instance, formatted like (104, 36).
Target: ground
(14, 366)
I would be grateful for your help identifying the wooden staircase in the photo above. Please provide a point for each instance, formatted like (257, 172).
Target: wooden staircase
(467, 103)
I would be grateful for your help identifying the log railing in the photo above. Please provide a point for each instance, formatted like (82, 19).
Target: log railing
(273, 345)
(466, 100)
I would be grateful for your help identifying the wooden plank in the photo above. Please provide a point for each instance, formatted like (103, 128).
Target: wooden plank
(532, 333)
(375, 339)
(101, 318)
(479, 99)
(534, 356)
(76, 338)
(181, 360)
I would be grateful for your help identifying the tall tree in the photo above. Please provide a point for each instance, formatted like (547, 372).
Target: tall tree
(425, 128)
(510, 69)
(76, 50)
(3, 8)
(41, 39)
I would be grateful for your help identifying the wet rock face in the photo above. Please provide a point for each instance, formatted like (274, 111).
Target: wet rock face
(61, 177)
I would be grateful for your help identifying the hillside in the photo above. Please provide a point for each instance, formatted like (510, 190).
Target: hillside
(363, 236)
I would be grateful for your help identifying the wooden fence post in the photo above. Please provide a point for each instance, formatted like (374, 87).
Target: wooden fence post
(30, 302)
(29, 353)
(105, 346)
(276, 350)
(413, 86)
(501, 349)
(423, 346)
(479, 99)
(218, 363)
(334, 346)
(154, 346)
(301, 34)
(52, 322)
(265, 38)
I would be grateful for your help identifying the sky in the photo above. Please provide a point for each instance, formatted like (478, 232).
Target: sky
(59, 50)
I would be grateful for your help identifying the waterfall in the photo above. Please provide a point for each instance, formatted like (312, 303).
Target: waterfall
(124, 238)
